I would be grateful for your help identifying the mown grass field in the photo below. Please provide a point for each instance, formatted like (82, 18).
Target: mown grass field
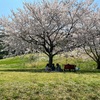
(24, 78)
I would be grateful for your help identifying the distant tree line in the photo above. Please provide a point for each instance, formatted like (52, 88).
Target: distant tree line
(2, 44)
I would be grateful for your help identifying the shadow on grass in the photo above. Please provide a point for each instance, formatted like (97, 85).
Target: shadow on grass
(23, 70)
(88, 71)
(43, 70)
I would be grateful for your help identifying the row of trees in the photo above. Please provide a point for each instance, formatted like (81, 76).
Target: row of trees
(53, 27)
(2, 44)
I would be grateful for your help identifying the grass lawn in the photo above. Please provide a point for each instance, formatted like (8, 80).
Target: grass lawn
(22, 79)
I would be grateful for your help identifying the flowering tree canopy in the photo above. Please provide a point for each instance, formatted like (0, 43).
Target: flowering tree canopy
(89, 35)
(49, 27)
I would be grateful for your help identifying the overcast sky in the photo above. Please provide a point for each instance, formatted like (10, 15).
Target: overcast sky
(7, 5)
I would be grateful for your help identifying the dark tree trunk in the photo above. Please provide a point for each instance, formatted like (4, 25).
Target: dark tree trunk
(50, 60)
(98, 64)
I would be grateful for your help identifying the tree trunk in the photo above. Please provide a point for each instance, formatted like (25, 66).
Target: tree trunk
(98, 64)
(50, 60)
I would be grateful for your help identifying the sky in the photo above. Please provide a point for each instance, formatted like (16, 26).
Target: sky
(7, 5)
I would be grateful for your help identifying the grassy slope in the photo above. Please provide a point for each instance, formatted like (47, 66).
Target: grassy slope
(40, 60)
(19, 80)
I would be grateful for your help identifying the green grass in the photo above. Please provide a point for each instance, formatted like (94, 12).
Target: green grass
(49, 86)
(25, 79)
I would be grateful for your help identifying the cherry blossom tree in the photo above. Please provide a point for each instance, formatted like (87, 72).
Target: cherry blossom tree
(49, 26)
(89, 35)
